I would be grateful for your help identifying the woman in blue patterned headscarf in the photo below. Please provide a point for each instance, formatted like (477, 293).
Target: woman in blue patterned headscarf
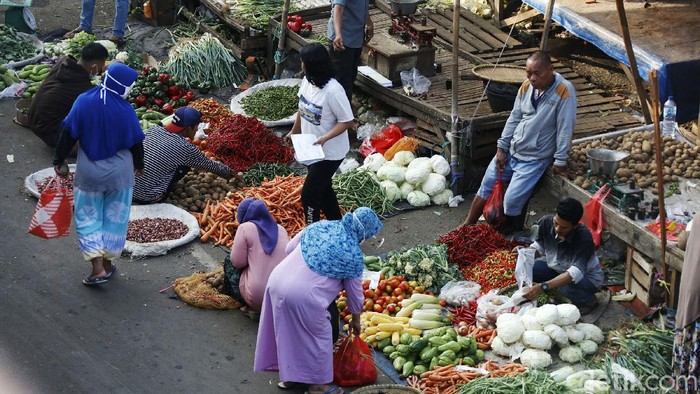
(110, 152)
(295, 336)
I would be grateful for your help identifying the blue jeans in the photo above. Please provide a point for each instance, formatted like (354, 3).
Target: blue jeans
(580, 293)
(521, 176)
(87, 13)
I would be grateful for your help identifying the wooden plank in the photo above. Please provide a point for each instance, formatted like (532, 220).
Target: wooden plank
(523, 16)
(446, 35)
(488, 27)
(440, 137)
(463, 34)
(474, 30)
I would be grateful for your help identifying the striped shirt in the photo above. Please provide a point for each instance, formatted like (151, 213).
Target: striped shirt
(164, 152)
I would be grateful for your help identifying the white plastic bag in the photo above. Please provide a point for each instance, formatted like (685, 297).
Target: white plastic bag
(460, 293)
(490, 306)
(13, 91)
(368, 130)
(523, 267)
(414, 83)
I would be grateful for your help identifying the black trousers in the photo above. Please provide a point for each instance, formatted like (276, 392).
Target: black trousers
(317, 194)
(346, 63)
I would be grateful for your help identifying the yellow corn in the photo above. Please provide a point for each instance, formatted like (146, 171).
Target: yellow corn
(412, 331)
(381, 335)
(390, 327)
(371, 330)
(376, 320)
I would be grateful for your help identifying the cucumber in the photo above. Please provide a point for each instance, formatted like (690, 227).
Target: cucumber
(384, 343)
(398, 363)
(419, 345)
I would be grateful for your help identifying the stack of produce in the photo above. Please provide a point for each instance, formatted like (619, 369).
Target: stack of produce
(446, 380)
(426, 264)
(130, 58)
(532, 381)
(71, 46)
(258, 104)
(591, 381)
(7, 78)
(205, 64)
(467, 245)
(495, 271)
(419, 180)
(196, 188)
(34, 75)
(531, 335)
(155, 230)
(242, 141)
(260, 172)
(14, 47)
(386, 298)
(297, 24)
(680, 159)
(255, 13)
(156, 94)
(212, 112)
(66, 182)
(282, 196)
(361, 189)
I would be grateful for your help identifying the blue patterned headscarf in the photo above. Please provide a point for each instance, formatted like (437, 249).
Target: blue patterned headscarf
(332, 247)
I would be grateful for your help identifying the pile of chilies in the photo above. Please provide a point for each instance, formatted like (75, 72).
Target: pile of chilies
(282, 196)
(242, 141)
(212, 112)
(495, 271)
(467, 245)
(446, 380)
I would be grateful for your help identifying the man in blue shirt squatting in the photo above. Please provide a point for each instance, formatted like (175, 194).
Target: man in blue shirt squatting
(539, 128)
(349, 29)
(568, 261)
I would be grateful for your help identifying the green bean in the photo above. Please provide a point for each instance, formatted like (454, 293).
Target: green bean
(360, 189)
(534, 381)
(285, 101)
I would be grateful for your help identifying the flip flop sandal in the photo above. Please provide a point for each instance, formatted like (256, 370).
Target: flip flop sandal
(110, 273)
(286, 385)
(90, 281)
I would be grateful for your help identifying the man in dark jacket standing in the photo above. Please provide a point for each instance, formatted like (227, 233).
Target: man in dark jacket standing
(66, 81)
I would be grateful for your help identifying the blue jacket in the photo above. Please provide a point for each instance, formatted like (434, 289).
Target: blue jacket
(542, 129)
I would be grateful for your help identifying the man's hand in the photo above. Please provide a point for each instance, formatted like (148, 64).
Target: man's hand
(321, 140)
(501, 158)
(62, 170)
(531, 293)
(562, 171)
(355, 326)
(338, 43)
(138, 172)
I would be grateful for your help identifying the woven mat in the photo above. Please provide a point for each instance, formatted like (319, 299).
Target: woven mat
(501, 73)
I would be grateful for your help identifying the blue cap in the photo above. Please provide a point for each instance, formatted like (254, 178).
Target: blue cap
(184, 117)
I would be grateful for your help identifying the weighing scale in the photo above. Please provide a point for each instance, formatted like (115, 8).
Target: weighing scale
(18, 15)
(603, 164)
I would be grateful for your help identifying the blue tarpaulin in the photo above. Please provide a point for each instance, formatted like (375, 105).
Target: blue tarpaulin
(678, 76)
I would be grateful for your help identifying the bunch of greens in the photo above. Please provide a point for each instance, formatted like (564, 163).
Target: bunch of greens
(284, 98)
(205, 64)
(534, 381)
(256, 13)
(257, 173)
(426, 264)
(13, 47)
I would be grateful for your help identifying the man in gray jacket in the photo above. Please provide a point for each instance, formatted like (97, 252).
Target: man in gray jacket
(538, 130)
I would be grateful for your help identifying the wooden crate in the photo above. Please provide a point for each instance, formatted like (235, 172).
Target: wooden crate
(640, 277)
(389, 57)
(248, 41)
(164, 12)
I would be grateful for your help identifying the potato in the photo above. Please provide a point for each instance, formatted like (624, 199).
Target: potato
(586, 185)
(677, 171)
(667, 178)
(674, 178)
(696, 175)
(624, 173)
(646, 147)
(641, 168)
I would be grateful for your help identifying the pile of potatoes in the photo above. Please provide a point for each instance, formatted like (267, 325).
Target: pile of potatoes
(216, 279)
(679, 159)
(196, 188)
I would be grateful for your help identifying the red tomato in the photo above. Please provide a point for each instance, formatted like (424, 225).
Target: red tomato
(377, 293)
(388, 289)
(382, 276)
(382, 284)
(393, 282)
(381, 301)
(404, 286)
(365, 284)
(401, 278)
(398, 291)
(443, 303)
(369, 294)
(400, 298)
(378, 308)
(391, 308)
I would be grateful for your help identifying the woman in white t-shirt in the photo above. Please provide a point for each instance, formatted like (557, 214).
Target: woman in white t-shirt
(324, 111)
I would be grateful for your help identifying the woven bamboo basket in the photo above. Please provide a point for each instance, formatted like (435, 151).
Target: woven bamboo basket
(387, 389)
(502, 73)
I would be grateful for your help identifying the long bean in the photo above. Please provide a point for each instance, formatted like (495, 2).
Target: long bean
(534, 381)
(361, 189)
(285, 101)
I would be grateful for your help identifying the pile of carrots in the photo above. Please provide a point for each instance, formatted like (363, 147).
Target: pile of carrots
(483, 337)
(446, 380)
(282, 196)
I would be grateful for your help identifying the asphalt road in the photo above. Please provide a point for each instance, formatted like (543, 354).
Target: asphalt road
(57, 335)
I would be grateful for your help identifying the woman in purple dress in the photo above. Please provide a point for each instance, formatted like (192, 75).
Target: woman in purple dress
(295, 336)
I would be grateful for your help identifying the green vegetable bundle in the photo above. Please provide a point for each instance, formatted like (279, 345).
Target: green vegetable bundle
(13, 47)
(426, 264)
(361, 189)
(256, 13)
(205, 64)
(273, 103)
(534, 381)
(257, 173)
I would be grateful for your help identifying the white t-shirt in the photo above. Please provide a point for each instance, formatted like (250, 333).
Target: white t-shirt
(320, 110)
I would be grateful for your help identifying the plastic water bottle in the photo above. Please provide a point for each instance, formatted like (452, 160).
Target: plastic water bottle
(668, 127)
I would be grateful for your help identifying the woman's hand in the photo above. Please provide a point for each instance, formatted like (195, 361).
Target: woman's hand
(62, 170)
(321, 140)
(355, 326)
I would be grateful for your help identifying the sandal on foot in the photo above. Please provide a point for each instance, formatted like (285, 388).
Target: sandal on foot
(117, 40)
(111, 272)
(73, 32)
(94, 281)
(286, 385)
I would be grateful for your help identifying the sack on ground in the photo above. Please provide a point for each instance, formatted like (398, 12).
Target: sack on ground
(53, 211)
(196, 291)
(353, 364)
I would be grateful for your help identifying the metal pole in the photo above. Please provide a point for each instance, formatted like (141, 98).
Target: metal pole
(547, 24)
(282, 39)
(654, 81)
(633, 61)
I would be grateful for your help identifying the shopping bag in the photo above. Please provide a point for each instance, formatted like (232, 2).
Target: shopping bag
(386, 138)
(353, 364)
(593, 214)
(493, 210)
(524, 266)
(53, 212)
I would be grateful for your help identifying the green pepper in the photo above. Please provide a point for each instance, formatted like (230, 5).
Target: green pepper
(159, 93)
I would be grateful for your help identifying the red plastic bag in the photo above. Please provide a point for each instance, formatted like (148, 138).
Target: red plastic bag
(53, 212)
(353, 364)
(366, 147)
(493, 210)
(593, 214)
(386, 138)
